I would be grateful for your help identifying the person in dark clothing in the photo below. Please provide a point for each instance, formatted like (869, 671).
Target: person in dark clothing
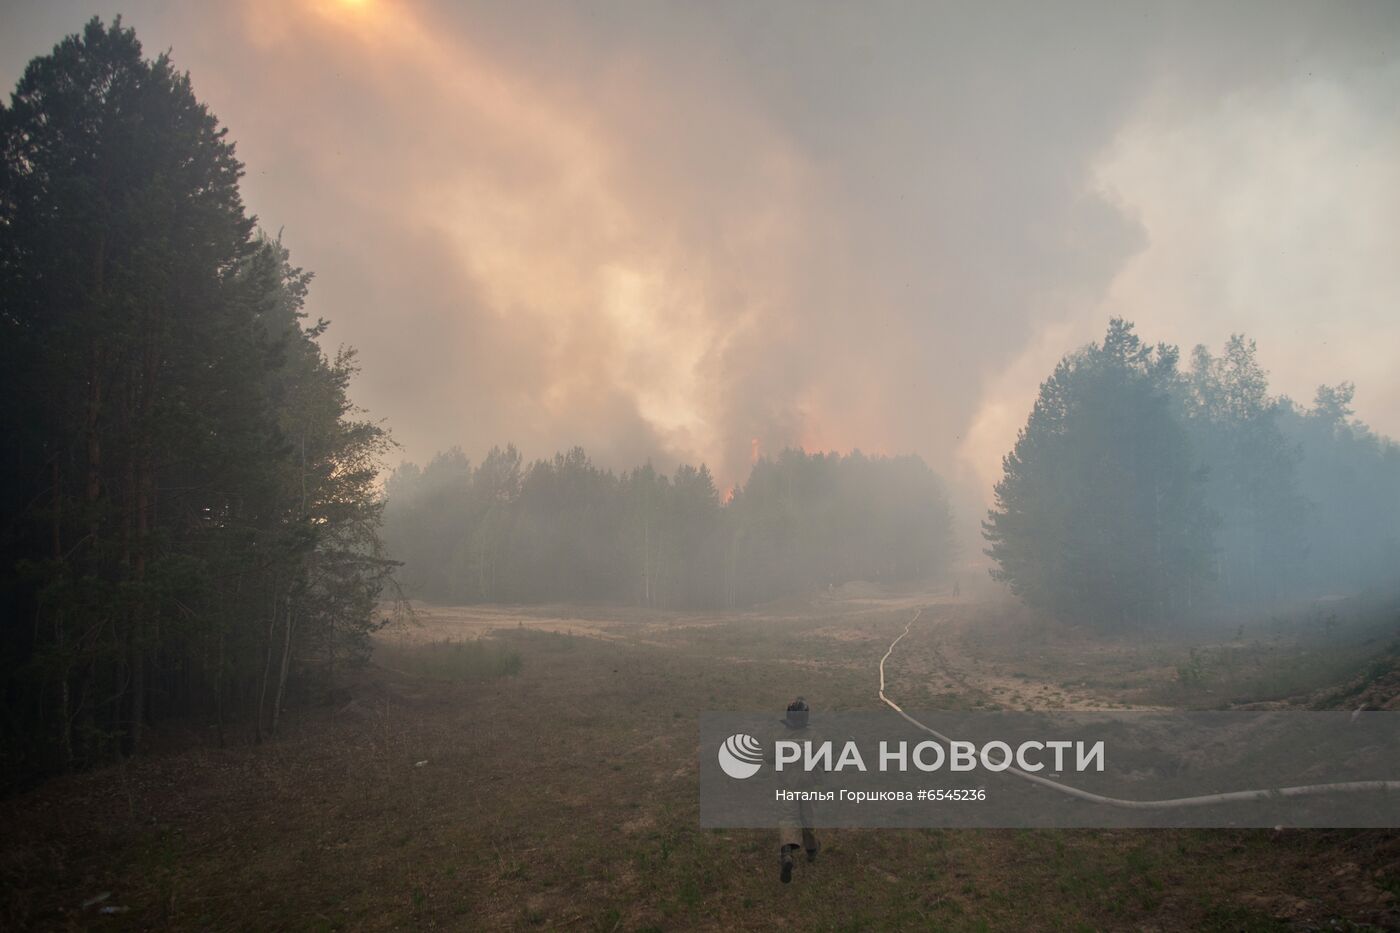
(795, 823)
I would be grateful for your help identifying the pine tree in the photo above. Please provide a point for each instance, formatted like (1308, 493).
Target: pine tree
(1252, 478)
(189, 496)
(1100, 512)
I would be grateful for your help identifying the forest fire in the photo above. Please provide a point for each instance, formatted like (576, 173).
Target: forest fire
(395, 390)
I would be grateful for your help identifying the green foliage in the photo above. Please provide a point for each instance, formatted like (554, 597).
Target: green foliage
(1251, 479)
(189, 508)
(1137, 493)
(562, 529)
(823, 520)
(1192, 671)
(1100, 514)
(1350, 478)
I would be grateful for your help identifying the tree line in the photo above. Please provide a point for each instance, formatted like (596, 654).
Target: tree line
(1142, 491)
(189, 503)
(563, 529)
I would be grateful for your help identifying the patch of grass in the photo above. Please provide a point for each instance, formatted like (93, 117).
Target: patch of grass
(477, 659)
(1237, 917)
(335, 825)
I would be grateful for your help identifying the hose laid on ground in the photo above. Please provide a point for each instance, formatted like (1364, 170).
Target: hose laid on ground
(1304, 790)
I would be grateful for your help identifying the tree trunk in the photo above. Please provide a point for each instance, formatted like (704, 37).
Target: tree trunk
(282, 675)
(145, 503)
(287, 630)
(267, 669)
(138, 628)
(65, 698)
(219, 690)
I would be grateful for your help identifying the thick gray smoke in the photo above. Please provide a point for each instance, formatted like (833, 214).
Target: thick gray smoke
(690, 232)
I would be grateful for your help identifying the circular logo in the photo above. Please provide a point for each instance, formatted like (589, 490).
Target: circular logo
(741, 756)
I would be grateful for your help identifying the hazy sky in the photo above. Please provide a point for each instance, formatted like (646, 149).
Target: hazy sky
(687, 232)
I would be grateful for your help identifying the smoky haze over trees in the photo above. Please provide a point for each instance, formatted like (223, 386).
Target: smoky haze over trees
(190, 502)
(190, 508)
(563, 529)
(1142, 492)
(189, 511)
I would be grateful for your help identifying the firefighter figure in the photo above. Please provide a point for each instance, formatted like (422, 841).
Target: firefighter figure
(795, 821)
